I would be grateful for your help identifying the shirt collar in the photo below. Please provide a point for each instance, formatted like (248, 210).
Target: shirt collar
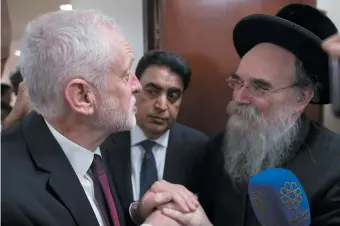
(79, 157)
(137, 136)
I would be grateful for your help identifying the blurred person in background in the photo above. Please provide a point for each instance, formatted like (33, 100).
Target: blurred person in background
(15, 78)
(6, 93)
(21, 108)
(5, 111)
(6, 98)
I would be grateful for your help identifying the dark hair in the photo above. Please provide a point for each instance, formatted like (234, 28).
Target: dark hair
(303, 80)
(15, 78)
(4, 88)
(5, 110)
(170, 60)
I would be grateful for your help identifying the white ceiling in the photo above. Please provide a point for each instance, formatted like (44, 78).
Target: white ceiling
(22, 11)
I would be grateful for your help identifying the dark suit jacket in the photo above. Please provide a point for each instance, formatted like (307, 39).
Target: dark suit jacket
(38, 183)
(315, 160)
(183, 160)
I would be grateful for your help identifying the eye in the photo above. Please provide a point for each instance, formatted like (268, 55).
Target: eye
(173, 96)
(151, 93)
(263, 89)
(127, 76)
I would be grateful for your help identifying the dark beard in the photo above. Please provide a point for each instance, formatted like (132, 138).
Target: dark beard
(253, 143)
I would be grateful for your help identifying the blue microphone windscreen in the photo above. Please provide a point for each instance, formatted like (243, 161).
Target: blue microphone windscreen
(278, 198)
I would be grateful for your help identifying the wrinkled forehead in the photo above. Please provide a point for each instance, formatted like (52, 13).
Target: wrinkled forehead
(268, 62)
(121, 51)
(162, 78)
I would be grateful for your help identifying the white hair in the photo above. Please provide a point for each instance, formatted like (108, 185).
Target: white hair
(60, 46)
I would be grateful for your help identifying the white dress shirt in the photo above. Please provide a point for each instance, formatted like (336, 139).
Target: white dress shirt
(137, 154)
(81, 160)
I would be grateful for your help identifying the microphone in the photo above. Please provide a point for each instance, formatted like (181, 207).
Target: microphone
(335, 84)
(278, 199)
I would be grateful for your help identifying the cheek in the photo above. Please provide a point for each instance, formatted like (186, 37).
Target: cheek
(264, 105)
(173, 110)
(143, 104)
(124, 91)
(142, 101)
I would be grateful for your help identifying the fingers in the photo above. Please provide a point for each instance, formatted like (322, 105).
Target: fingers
(158, 218)
(161, 186)
(151, 201)
(181, 201)
(189, 198)
(186, 200)
(169, 205)
(176, 215)
(332, 45)
(193, 197)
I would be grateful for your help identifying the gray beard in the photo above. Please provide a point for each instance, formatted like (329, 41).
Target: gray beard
(253, 143)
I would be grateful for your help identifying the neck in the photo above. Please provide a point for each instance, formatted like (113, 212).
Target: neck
(149, 134)
(79, 132)
(153, 136)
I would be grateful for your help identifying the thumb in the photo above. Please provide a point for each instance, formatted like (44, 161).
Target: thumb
(176, 215)
(152, 201)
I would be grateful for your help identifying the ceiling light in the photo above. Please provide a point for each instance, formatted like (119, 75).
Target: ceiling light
(66, 7)
(17, 52)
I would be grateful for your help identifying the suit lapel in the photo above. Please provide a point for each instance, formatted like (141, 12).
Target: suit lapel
(117, 150)
(174, 156)
(63, 183)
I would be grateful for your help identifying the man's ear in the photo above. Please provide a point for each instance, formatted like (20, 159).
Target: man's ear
(304, 99)
(80, 96)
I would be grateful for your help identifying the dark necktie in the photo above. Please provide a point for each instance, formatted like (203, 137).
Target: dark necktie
(148, 173)
(103, 193)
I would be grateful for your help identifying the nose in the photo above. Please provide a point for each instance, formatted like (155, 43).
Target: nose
(242, 95)
(161, 103)
(136, 87)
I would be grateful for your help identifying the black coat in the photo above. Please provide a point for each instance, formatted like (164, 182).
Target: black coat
(38, 183)
(315, 161)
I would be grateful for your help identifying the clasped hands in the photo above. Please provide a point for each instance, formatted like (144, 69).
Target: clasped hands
(171, 205)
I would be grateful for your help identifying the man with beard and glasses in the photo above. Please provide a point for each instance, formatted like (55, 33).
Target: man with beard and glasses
(283, 69)
(76, 71)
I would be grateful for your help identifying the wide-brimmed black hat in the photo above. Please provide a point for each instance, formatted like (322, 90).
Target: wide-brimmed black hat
(297, 28)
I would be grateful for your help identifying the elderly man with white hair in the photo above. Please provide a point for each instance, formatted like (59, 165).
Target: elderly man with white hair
(76, 71)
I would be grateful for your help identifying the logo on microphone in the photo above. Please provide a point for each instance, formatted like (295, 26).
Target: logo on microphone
(259, 200)
(291, 195)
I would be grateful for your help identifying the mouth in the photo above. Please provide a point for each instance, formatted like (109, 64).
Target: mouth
(134, 109)
(158, 119)
(238, 113)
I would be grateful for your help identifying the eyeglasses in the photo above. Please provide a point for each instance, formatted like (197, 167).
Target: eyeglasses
(256, 91)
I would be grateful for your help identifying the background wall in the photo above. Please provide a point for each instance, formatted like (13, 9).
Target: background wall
(332, 8)
(129, 16)
(20, 13)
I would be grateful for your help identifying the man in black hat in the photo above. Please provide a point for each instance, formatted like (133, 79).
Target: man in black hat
(283, 69)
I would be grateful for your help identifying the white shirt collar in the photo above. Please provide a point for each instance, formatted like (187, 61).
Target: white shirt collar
(79, 157)
(137, 136)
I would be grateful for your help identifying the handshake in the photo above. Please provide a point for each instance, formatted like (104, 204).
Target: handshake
(168, 204)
